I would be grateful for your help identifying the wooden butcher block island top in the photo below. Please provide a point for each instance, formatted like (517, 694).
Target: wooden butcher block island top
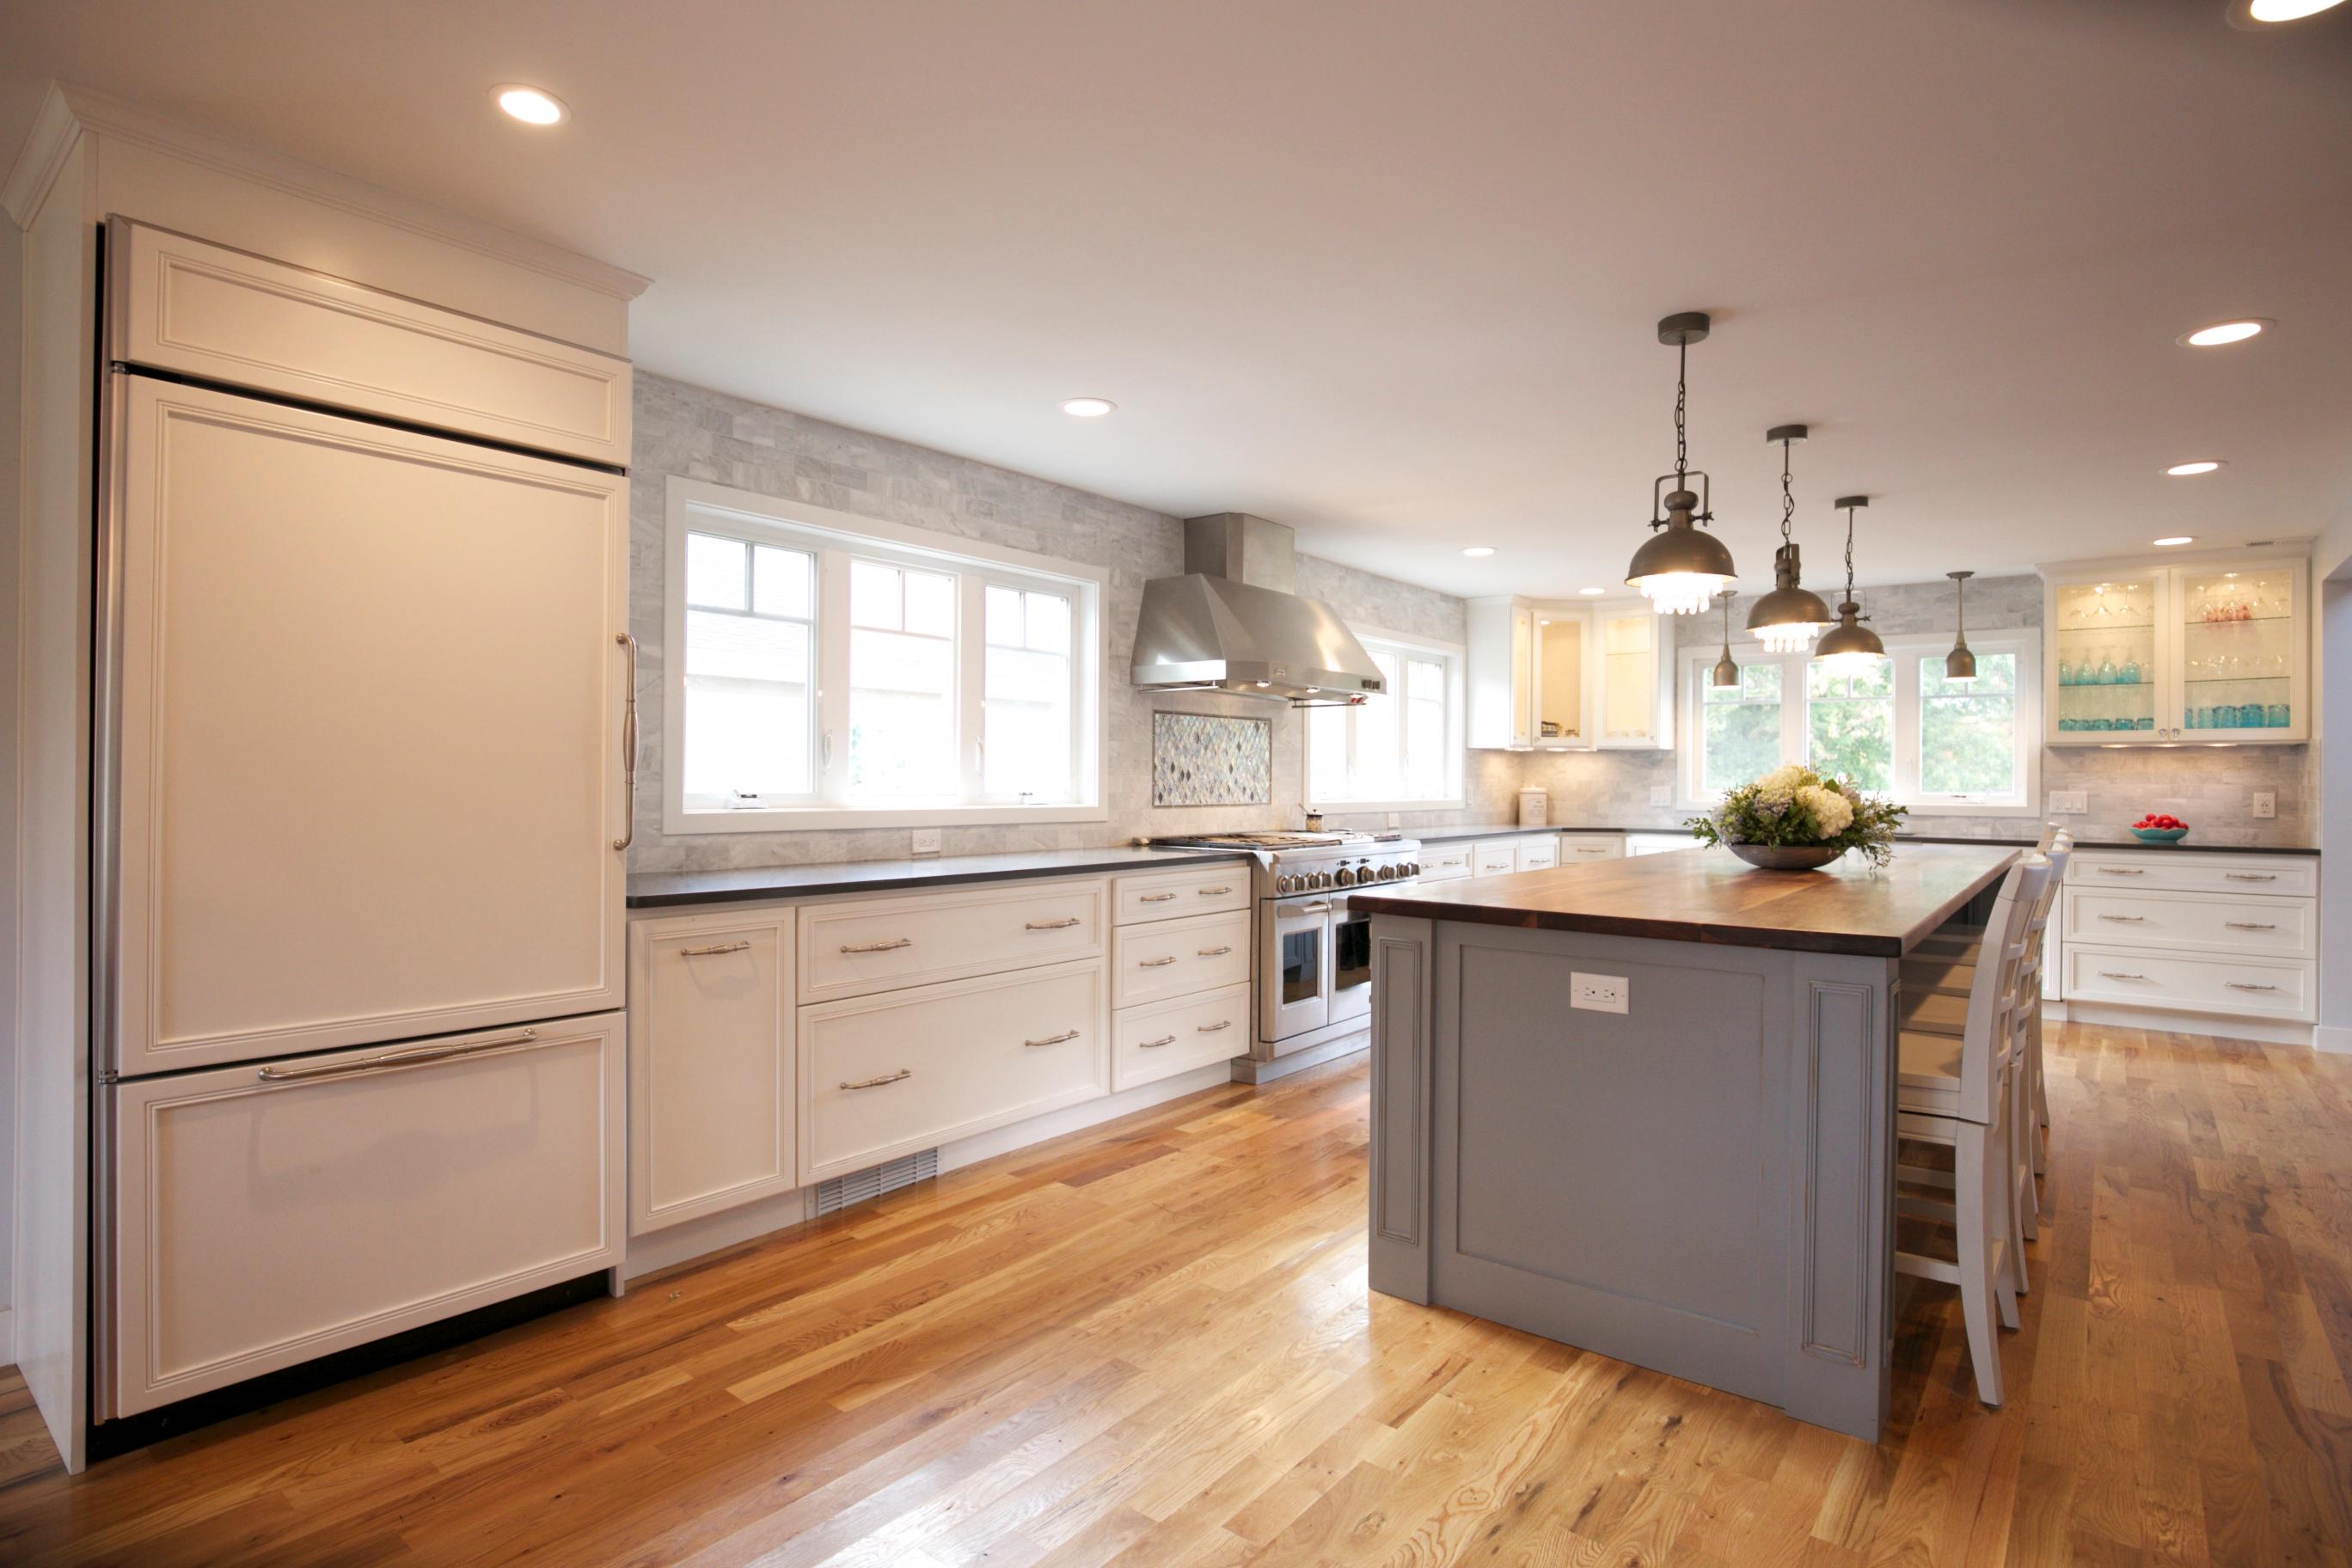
(1711, 896)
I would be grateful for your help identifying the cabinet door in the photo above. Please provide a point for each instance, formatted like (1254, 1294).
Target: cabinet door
(1634, 678)
(2104, 669)
(2242, 644)
(711, 1068)
(1494, 858)
(1560, 687)
(367, 734)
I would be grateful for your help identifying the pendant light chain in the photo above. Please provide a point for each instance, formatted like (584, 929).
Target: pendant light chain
(1682, 404)
(1849, 553)
(1788, 500)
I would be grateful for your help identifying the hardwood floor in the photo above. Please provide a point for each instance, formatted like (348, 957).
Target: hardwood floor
(1150, 1343)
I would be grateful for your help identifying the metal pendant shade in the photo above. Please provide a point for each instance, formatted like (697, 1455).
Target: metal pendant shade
(1850, 641)
(1960, 663)
(1727, 671)
(1788, 618)
(1680, 569)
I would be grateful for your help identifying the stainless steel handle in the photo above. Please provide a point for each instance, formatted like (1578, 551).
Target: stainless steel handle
(1155, 1044)
(2119, 975)
(878, 1082)
(1214, 892)
(417, 1056)
(1156, 962)
(890, 946)
(2250, 876)
(1214, 952)
(2127, 920)
(2250, 925)
(1156, 899)
(2120, 871)
(1212, 1029)
(629, 747)
(1065, 1035)
(1051, 925)
(1309, 909)
(2243, 985)
(708, 951)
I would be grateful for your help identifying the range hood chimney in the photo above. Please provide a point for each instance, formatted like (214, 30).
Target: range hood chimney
(1232, 622)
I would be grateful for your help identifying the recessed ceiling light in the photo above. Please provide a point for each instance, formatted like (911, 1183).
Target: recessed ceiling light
(1592, 592)
(2177, 539)
(1088, 407)
(2221, 333)
(1478, 551)
(530, 105)
(2202, 466)
(2288, 10)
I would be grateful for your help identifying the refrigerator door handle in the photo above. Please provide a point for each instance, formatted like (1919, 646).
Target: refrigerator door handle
(419, 1057)
(629, 745)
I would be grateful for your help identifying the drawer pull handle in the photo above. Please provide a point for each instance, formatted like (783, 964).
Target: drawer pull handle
(1157, 962)
(2119, 975)
(1053, 925)
(1066, 1036)
(878, 1082)
(2127, 920)
(1214, 952)
(1214, 892)
(1156, 899)
(890, 946)
(2245, 986)
(1155, 1044)
(420, 1057)
(708, 951)
(2250, 925)
(2120, 871)
(1212, 1029)
(2251, 876)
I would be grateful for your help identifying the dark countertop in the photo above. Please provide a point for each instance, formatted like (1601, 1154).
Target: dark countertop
(665, 889)
(1718, 898)
(2102, 844)
(1505, 830)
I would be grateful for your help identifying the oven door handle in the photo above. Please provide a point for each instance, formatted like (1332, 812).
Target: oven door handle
(1292, 911)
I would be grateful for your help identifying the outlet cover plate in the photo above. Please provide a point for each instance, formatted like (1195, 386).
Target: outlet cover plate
(2266, 804)
(2069, 802)
(1662, 795)
(1599, 992)
(926, 841)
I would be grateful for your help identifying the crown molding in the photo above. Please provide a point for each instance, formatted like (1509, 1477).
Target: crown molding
(72, 111)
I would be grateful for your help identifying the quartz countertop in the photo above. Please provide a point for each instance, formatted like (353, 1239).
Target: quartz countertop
(666, 890)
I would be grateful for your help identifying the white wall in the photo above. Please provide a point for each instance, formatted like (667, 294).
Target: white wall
(2336, 811)
(12, 368)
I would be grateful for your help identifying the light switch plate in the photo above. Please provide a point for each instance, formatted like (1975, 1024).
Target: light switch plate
(2069, 802)
(2266, 804)
(1662, 795)
(926, 841)
(1598, 993)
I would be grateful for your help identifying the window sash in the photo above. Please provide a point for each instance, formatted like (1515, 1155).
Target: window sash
(1402, 785)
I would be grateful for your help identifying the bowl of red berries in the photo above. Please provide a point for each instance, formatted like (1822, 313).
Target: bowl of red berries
(2159, 828)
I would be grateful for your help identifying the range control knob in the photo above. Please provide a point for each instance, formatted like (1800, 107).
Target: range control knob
(1388, 873)
(1282, 884)
(1344, 877)
(1412, 869)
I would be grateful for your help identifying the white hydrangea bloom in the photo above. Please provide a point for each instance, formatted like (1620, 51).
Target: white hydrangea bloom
(1830, 809)
(1783, 783)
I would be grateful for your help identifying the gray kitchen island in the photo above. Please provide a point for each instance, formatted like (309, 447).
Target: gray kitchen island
(1647, 1108)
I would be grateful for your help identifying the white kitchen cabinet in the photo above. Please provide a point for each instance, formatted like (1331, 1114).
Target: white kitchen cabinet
(888, 1075)
(1494, 857)
(1444, 862)
(711, 1066)
(1164, 1039)
(2198, 932)
(1576, 849)
(1500, 674)
(1568, 675)
(273, 1214)
(2217, 650)
(861, 945)
(1634, 677)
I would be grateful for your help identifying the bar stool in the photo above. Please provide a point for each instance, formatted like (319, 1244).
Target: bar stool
(1960, 1090)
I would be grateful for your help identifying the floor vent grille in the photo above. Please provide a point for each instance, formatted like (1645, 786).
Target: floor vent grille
(876, 1180)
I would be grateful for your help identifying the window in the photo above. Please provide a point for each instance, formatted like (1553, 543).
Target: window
(1399, 747)
(839, 672)
(1894, 725)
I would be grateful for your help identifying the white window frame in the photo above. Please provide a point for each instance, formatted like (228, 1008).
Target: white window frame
(1906, 651)
(700, 507)
(1456, 735)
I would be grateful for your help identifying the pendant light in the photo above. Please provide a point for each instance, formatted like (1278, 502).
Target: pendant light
(1791, 617)
(1960, 663)
(1680, 570)
(1849, 644)
(1726, 673)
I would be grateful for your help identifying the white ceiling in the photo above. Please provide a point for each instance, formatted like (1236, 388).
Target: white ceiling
(1388, 270)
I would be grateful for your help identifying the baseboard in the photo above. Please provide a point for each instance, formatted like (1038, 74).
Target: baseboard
(2333, 1038)
(673, 1245)
(2263, 1031)
(1249, 1070)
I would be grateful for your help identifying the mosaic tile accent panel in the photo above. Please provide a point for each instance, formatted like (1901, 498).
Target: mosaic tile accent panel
(1211, 759)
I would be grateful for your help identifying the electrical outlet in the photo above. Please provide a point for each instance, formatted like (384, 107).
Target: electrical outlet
(2266, 804)
(926, 841)
(1598, 993)
(1396, 819)
(2069, 802)
(1662, 795)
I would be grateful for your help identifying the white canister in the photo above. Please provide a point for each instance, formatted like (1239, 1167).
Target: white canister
(1535, 807)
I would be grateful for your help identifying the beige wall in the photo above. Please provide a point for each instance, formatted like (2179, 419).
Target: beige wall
(12, 370)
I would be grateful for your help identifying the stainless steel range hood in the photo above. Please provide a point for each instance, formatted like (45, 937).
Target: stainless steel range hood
(1231, 624)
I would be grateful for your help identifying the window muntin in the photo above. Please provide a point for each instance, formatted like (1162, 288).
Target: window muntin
(1400, 746)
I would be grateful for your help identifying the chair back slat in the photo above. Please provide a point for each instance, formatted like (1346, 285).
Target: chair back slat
(1987, 1038)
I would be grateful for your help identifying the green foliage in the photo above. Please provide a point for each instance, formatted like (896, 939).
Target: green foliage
(1795, 804)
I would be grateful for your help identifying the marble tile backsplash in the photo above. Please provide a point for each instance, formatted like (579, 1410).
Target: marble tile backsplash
(702, 435)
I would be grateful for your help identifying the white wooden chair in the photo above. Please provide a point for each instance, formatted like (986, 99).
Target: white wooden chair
(1960, 1090)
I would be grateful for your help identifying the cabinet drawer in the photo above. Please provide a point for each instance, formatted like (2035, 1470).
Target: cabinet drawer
(2187, 872)
(1495, 857)
(2278, 927)
(711, 1065)
(1166, 895)
(1538, 854)
(880, 944)
(1445, 863)
(264, 1221)
(1165, 1038)
(1579, 847)
(884, 1076)
(1176, 958)
(2257, 987)
(207, 311)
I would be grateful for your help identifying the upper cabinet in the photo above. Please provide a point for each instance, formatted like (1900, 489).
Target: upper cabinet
(2214, 651)
(1556, 677)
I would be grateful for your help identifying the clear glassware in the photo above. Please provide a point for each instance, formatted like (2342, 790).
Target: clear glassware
(2106, 667)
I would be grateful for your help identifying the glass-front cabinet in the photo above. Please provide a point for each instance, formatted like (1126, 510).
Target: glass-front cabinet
(2217, 651)
(1559, 675)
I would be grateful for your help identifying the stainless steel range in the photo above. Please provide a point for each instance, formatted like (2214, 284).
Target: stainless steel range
(1313, 956)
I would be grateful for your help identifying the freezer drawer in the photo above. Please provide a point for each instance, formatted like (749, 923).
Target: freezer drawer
(265, 1215)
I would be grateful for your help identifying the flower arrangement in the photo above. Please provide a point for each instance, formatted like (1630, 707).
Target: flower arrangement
(1794, 807)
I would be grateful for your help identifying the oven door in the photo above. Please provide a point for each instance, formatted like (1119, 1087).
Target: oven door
(1292, 994)
(1351, 962)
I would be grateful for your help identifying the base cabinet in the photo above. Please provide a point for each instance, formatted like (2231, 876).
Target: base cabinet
(1169, 1037)
(2233, 936)
(269, 1215)
(711, 1066)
